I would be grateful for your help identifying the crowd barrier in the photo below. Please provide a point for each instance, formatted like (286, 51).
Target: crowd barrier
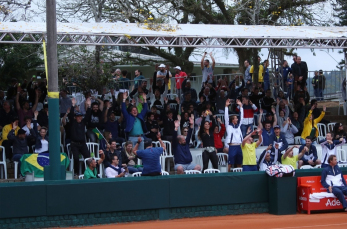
(103, 201)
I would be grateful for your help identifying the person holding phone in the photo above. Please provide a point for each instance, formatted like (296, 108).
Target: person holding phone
(114, 171)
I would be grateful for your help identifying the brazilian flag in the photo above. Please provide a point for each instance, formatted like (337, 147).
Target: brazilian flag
(36, 163)
(98, 134)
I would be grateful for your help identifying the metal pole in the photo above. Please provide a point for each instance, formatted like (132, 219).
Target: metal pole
(54, 170)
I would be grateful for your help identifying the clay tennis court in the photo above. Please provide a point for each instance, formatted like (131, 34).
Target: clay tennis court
(260, 221)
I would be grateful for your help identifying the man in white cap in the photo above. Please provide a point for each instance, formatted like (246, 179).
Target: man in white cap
(164, 73)
(180, 76)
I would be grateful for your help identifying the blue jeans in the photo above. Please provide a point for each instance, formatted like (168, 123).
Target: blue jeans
(134, 141)
(17, 157)
(266, 85)
(132, 169)
(290, 91)
(244, 129)
(316, 92)
(340, 192)
(247, 168)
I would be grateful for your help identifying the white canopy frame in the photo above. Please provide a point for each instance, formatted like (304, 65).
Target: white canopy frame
(185, 35)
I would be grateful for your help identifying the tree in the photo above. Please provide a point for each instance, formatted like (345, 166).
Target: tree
(11, 10)
(245, 12)
(340, 9)
(18, 60)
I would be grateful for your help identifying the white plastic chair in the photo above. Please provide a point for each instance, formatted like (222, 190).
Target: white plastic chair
(3, 162)
(171, 96)
(297, 140)
(212, 171)
(137, 174)
(85, 165)
(341, 155)
(319, 154)
(199, 160)
(331, 126)
(164, 173)
(166, 154)
(222, 161)
(81, 177)
(317, 167)
(237, 170)
(173, 105)
(322, 129)
(306, 167)
(192, 172)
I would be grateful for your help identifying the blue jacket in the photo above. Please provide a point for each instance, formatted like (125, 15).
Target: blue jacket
(130, 119)
(310, 155)
(274, 157)
(38, 144)
(282, 139)
(181, 153)
(268, 137)
(332, 175)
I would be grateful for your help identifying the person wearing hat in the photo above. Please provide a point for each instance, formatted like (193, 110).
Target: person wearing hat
(279, 140)
(5, 142)
(164, 73)
(20, 142)
(179, 77)
(150, 156)
(77, 136)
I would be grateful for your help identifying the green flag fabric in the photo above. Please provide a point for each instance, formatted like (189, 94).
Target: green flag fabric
(98, 134)
(37, 161)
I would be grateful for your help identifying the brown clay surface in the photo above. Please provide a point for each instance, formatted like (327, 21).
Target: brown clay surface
(336, 220)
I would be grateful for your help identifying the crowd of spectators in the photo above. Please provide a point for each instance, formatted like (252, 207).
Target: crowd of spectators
(234, 117)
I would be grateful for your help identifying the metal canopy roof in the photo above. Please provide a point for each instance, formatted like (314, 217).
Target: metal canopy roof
(182, 35)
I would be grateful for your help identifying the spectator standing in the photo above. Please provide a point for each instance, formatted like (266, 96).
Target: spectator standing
(344, 96)
(123, 82)
(207, 69)
(339, 131)
(234, 136)
(114, 171)
(112, 125)
(249, 109)
(288, 157)
(333, 180)
(207, 137)
(152, 126)
(321, 85)
(218, 134)
(284, 70)
(234, 91)
(290, 83)
(268, 130)
(41, 145)
(310, 125)
(187, 87)
(249, 162)
(94, 118)
(267, 102)
(91, 172)
(150, 157)
(256, 96)
(279, 140)
(266, 75)
(77, 135)
(163, 74)
(282, 114)
(135, 124)
(25, 110)
(310, 157)
(300, 72)
(298, 121)
(169, 126)
(138, 79)
(129, 158)
(315, 82)
(64, 102)
(6, 114)
(289, 131)
(329, 147)
(181, 151)
(248, 77)
(179, 77)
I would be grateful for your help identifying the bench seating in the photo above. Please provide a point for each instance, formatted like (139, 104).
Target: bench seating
(313, 196)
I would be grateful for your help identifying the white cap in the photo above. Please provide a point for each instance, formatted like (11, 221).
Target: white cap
(177, 67)
(162, 66)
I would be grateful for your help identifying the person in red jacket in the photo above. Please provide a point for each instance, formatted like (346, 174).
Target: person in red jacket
(218, 135)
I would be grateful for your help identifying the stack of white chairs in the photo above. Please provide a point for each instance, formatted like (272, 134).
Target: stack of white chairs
(223, 161)
(192, 172)
(212, 171)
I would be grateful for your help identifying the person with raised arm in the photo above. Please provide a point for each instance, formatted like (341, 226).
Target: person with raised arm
(150, 156)
(288, 157)
(181, 151)
(135, 125)
(207, 69)
(24, 109)
(329, 147)
(248, 147)
(91, 172)
(268, 132)
(234, 136)
(310, 125)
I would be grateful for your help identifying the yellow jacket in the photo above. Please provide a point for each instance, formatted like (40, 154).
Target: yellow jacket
(7, 130)
(260, 74)
(308, 124)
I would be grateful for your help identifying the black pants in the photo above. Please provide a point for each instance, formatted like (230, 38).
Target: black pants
(8, 151)
(77, 149)
(206, 157)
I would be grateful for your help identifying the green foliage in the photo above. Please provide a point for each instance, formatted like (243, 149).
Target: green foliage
(17, 60)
